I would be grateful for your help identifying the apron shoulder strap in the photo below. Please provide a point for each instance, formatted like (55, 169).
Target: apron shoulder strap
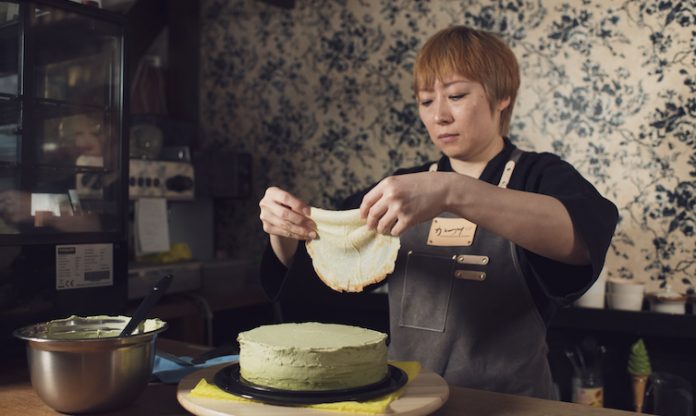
(509, 167)
(507, 172)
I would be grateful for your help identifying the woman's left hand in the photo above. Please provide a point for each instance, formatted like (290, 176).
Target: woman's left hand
(399, 202)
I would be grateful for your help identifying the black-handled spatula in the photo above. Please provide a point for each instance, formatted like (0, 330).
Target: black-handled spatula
(146, 305)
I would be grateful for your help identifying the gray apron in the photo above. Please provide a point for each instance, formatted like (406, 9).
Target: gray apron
(466, 313)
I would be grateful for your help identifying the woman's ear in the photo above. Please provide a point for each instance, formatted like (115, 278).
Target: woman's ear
(503, 104)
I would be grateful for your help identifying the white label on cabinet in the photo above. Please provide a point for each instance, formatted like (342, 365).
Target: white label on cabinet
(84, 265)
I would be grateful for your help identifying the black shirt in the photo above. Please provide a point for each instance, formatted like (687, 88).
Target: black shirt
(551, 283)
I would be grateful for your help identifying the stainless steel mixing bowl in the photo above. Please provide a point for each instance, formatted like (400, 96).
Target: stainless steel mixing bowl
(80, 365)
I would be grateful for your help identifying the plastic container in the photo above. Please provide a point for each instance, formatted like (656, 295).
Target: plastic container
(588, 388)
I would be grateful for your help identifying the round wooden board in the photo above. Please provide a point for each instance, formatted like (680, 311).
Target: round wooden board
(424, 395)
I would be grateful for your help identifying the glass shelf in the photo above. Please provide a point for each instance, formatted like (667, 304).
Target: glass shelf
(62, 162)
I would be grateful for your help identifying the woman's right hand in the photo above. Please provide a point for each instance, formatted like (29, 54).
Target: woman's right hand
(284, 215)
(286, 219)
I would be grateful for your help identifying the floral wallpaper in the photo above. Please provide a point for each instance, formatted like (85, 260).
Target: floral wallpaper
(320, 93)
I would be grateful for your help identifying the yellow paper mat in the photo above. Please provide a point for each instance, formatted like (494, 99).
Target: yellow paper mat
(375, 406)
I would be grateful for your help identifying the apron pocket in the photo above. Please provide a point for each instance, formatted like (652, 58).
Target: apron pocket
(427, 289)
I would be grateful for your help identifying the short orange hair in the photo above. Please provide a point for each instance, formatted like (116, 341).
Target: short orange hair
(479, 56)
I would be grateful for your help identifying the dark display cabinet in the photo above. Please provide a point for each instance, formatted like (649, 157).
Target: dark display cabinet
(63, 161)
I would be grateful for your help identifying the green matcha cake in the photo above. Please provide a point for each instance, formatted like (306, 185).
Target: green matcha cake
(312, 356)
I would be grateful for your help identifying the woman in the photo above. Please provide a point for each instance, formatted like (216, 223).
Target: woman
(493, 239)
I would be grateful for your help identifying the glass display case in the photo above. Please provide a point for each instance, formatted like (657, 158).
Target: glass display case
(61, 134)
(63, 163)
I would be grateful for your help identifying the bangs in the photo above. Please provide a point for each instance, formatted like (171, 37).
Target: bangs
(445, 55)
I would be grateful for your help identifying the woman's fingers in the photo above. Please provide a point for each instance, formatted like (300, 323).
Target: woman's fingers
(287, 199)
(389, 207)
(380, 208)
(387, 222)
(398, 227)
(284, 215)
(289, 230)
(375, 214)
(284, 222)
(382, 217)
(369, 200)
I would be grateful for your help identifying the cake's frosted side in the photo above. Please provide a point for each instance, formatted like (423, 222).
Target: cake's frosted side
(312, 356)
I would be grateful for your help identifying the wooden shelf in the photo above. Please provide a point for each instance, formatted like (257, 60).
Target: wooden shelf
(642, 323)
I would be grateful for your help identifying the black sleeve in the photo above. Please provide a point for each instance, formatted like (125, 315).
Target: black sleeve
(272, 273)
(593, 216)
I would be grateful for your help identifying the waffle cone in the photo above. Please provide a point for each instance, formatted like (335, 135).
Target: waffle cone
(639, 382)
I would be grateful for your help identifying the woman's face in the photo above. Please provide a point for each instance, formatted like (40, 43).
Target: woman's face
(84, 133)
(88, 144)
(458, 118)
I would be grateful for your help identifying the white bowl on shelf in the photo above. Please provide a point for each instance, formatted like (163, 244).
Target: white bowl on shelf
(625, 301)
(625, 286)
(594, 297)
(667, 302)
(676, 308)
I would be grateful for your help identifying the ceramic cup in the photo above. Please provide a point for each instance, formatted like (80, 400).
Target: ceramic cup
(625, 286)
(594, 297)
(625, 294)
(625, 301)
(667, 302)
(673, 307)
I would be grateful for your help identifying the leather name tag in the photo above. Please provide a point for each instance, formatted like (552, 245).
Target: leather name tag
(451, 232)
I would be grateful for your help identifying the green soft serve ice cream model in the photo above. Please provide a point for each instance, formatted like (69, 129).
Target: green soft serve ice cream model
(639, 369)
(638, 361)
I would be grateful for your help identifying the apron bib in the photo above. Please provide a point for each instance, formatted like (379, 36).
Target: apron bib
(464, 309)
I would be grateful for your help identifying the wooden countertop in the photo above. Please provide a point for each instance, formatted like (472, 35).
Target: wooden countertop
(472, 402)
(18, 398)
